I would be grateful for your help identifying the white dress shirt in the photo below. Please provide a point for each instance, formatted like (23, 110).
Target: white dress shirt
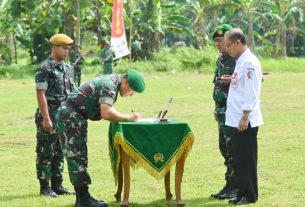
(244, 91)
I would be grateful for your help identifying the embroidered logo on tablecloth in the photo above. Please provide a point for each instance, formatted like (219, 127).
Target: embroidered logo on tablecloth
(159, 157)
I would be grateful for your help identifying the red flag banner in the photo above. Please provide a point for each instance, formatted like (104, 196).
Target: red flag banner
(118, 36)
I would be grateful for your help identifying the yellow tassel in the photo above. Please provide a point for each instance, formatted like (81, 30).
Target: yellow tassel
(181, 152)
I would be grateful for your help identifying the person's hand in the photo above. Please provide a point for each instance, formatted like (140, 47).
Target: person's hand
(243, 124)
(225, 79)
(134, 116)
(47, 125)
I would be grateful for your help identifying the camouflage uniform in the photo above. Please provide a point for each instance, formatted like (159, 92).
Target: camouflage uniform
(224, 66)
(54, 79)
(81, 105)
(107, 56)
(78, 66)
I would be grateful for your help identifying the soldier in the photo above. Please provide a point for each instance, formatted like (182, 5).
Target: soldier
(107, 59)
(76, 59)
(53, 84)
(93, 100)
(224, 69)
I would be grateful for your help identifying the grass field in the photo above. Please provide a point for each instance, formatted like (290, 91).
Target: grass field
(281, 165)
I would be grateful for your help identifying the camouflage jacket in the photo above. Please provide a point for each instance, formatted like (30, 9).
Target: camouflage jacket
(56, 80)
(87, 98)
(224, 66)
(107, 55)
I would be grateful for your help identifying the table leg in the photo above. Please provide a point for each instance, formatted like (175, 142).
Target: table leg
(178, 180)
(126, 178)
(118, 194)
(168, 194)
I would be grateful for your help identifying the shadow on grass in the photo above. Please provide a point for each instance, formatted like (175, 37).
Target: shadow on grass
(198, 202)
(16, 197)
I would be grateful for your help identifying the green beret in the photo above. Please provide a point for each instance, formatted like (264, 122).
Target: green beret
(61, 39)
(135, 80)
(220, 30)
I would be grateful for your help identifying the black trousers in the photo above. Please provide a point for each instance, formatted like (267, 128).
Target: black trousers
(244, 146)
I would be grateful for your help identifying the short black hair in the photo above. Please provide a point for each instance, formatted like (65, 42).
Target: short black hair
(235, 34)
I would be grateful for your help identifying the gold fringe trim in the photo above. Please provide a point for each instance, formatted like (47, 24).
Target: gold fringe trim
(181, 152)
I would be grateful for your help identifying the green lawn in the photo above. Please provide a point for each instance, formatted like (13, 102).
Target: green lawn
(281, 165)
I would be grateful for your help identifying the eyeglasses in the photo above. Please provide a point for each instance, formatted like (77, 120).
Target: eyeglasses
(228, 45)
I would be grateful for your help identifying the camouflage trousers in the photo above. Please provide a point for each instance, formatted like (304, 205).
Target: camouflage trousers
(78, 76)
(225, 147)
(107, 68)
(50, 159)
(72, 130)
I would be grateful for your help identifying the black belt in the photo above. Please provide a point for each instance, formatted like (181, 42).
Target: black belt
(108, 61)
(75, 107)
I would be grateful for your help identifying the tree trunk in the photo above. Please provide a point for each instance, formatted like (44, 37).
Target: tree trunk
(7, 56)
(277, 41)
(78, 38)
(152, 36)
(68, 25)
(130, 31)
(97, 23)
(251, 42)
(283, 42)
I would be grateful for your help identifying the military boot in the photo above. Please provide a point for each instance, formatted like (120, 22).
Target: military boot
(84, 199)
(45, 189)
(56, 184)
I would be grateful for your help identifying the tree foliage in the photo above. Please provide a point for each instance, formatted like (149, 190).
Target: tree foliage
(272, 27)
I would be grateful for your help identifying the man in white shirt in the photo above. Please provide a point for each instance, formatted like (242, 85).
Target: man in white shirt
(243, 115)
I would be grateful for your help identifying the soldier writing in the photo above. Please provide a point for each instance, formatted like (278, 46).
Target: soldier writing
(93, 100)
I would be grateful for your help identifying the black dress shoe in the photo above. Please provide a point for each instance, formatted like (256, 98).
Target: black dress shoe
(48, 192)
(63, 191)
(242, 201)
(230, 193)
(221, 192)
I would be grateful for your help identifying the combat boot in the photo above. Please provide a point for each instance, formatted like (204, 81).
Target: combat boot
(56, 184)
(84, 199)
(45, 189)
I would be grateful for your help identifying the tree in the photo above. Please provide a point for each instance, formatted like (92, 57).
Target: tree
(282, 14)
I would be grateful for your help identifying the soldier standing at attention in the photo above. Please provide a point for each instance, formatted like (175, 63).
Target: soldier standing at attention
(52, 86)
(76, 59)
(93, 100)
(224, 68)
(107, 59)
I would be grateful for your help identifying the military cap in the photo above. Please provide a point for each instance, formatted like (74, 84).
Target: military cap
(220, 30)
(135, 80)
(61, 39)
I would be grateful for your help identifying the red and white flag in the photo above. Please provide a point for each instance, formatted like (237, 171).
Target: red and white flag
(118, 35)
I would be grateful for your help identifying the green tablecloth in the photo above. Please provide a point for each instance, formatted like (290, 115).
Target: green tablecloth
(154, 146)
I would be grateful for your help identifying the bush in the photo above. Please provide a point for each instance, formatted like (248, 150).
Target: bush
(17, 71)
(185, 59)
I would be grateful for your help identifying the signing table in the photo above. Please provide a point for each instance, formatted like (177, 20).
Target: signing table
(155, 146)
